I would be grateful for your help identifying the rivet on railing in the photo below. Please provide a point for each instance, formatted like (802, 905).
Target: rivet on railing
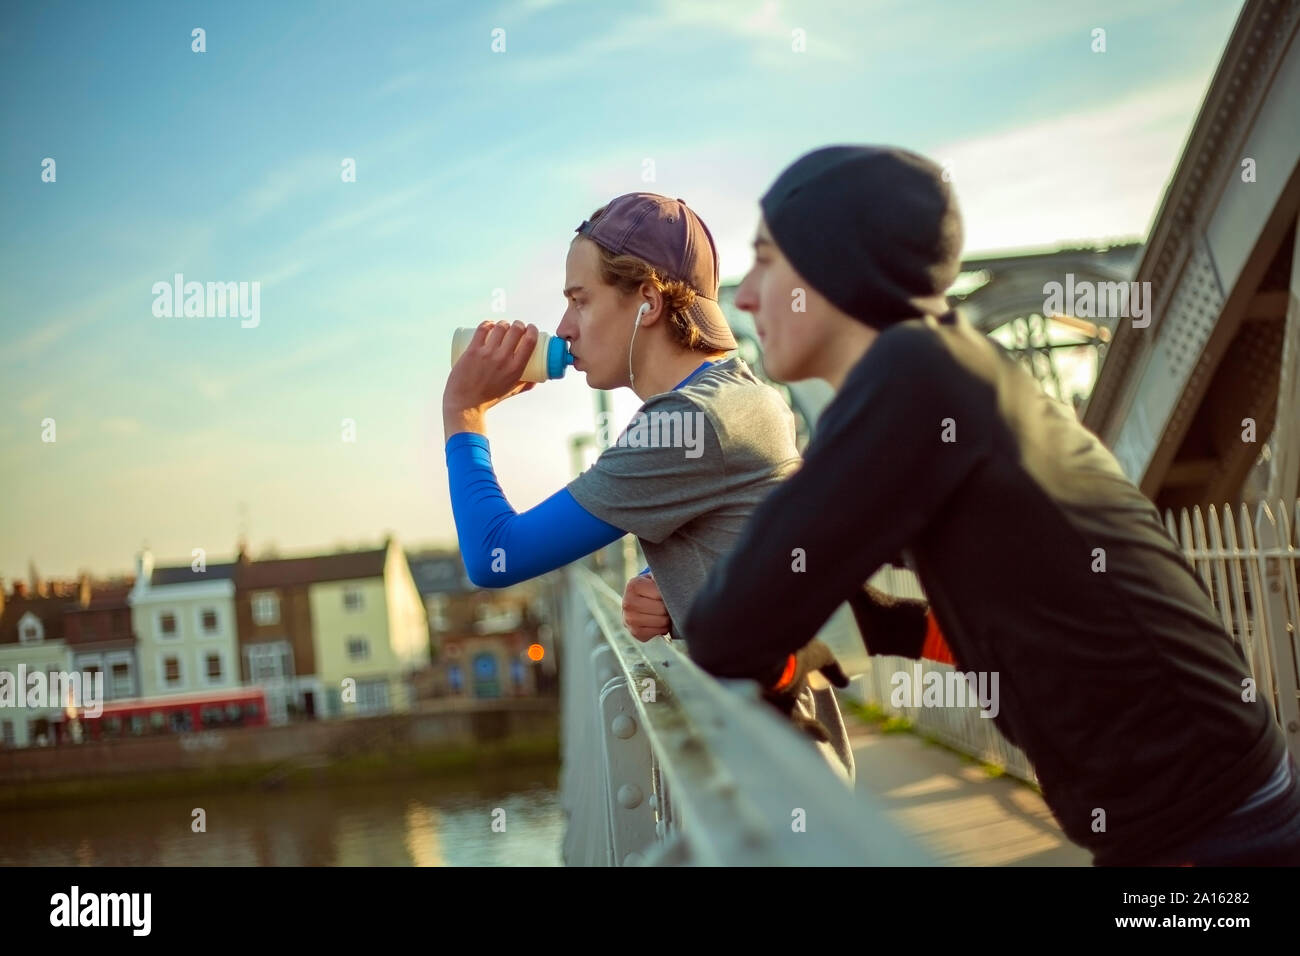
(630, 796)
(623, 726)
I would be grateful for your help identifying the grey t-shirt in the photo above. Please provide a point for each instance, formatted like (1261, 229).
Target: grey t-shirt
(689, 470)
(685, 476)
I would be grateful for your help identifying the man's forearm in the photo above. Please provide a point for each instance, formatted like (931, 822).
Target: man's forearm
(873, 477)
(456, 420)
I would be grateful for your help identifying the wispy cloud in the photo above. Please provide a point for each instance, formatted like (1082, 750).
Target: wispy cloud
(1094, 173)
(394, 200)
(46, 331)
(273, 279)
(121, 425)
(764, 33)
(402, 81)
(301, 176)
(38, 401)
(213, 384)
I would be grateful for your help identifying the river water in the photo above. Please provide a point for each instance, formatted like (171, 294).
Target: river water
(502, 819)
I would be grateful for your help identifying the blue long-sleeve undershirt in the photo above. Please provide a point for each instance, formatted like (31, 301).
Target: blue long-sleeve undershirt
(502, 547)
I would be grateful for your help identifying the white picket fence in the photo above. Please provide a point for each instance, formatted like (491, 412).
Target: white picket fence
(1250, 569)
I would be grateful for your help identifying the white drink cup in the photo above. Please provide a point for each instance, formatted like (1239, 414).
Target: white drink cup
(549, 360)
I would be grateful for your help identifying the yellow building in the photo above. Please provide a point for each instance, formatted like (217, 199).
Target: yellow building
(369, 633)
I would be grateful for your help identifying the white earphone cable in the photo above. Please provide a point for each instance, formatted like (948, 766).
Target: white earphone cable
(631, 376)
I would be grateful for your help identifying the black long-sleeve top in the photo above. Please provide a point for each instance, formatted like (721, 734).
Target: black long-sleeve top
(1042, 562)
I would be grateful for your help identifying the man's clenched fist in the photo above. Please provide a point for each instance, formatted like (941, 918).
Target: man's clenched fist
(644, 613)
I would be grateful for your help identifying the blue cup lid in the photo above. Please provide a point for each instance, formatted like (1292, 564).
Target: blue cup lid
(558, 357)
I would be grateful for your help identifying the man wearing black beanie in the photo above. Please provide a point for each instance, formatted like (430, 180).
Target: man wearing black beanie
(1043, 564)
(875, 230)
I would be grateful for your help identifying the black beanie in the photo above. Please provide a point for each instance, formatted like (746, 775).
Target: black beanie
(874, 229)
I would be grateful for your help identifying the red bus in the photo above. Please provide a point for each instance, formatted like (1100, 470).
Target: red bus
(178, 713)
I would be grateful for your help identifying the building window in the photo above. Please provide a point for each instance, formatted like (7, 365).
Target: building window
(167, 625)
(352, 600)
(455, 678)
(372, 697)
(172, 670)
(214, 667)
(208, 621)
(266, 608)
(269, 662)
(486, 682)
(121, 680)
(437, 609)
(30, 629)
(517, 672)
(358, 648)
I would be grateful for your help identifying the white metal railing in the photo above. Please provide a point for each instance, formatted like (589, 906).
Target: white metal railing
(1250, 569)
(662, 764)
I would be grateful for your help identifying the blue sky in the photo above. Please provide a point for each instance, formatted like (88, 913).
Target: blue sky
(473, 168)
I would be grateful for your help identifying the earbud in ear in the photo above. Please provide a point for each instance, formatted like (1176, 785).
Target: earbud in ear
(645, 307)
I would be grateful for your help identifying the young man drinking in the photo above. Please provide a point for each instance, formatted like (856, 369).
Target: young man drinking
(1042, 562)
(641, 283)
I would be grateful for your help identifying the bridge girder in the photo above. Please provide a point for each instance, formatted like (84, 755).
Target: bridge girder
(1172, 399)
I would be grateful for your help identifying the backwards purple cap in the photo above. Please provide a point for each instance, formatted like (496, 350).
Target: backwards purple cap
(669, 235)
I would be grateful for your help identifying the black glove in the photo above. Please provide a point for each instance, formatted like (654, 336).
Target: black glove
(784, 686)
(888, 624)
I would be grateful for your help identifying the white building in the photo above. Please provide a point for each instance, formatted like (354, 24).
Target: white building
(184, 621)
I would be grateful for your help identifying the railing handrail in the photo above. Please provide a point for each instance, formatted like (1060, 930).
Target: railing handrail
(737, 774)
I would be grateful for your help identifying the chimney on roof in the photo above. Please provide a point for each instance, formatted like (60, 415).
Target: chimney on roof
(242, 561)
(143, 568)
(39, 588)
(83, 588)
(20, 589)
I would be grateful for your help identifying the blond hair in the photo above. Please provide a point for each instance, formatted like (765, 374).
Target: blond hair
(627, 274)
